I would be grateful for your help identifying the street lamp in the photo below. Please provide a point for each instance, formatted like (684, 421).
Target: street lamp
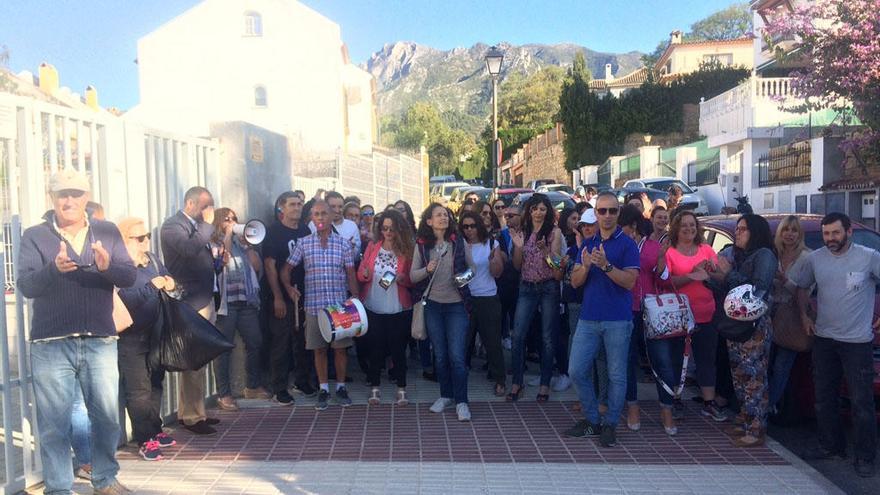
(494, 58)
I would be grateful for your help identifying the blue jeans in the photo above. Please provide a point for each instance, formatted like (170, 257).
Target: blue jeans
(530, 296)
(614, 337)
(59, 367)
(246, 320)
(79, 430)
(780, 369)
(632, 369)
(666, 356)
(448, 329)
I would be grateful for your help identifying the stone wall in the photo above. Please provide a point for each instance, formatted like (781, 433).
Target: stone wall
(549, 163)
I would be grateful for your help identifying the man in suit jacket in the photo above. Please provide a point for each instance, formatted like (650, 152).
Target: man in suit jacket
(184, 238)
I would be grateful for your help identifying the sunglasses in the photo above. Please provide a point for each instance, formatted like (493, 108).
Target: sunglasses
(607, 211)
(466, 226)
(499, 207)
(486, 213)
(511, 215)
(231, 219)
(69, 193)
(367, 214)
(140, 238)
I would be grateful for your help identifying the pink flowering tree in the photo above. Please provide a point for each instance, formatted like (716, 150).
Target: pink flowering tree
(837, 44)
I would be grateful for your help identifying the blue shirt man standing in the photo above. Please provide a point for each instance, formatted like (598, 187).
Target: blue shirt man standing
(607, 266)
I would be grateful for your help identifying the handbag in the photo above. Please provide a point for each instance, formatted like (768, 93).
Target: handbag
(788, 329)
(668, 315)
(418, 330)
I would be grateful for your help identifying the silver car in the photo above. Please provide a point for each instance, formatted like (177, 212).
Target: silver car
(691, 200)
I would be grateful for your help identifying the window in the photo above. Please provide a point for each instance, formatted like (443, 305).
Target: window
(768, 201)
(800, 204)
(260, 99)
(723, 59)
(253, 24)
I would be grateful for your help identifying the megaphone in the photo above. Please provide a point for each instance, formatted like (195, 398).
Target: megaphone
(254, 231)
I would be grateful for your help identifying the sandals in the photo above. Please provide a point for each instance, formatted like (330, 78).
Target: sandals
(374, 398)
(515, 396)
(542, 397)
(500, 390)
(401, 397)
(748, 441)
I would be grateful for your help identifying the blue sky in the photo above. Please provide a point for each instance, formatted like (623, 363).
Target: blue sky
(94, 41)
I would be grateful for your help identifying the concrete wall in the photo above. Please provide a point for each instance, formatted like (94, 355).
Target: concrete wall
(254, 168)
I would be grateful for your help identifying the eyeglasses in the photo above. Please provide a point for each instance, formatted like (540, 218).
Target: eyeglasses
(607, 211)
(466, 226)
(141, 238)
(741, 229)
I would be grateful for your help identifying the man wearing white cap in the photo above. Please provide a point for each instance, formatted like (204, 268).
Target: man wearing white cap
(69, 265)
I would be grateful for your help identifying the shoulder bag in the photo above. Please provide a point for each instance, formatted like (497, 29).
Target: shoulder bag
(418, 331)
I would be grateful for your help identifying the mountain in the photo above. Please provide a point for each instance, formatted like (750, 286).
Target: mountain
(456, 79)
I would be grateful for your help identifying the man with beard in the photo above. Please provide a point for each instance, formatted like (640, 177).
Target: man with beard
(845, 275)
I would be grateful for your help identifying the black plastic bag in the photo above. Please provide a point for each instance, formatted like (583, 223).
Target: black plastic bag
(182, 340)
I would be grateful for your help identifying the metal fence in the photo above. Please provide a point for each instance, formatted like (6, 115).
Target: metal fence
(788, 164)
(704, 172)
(132, 170)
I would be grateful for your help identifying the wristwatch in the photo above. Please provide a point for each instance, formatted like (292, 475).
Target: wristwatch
(608, 268)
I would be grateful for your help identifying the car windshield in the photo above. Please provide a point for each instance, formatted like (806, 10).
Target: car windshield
(447, 190)
(865, 237)
(663, 185)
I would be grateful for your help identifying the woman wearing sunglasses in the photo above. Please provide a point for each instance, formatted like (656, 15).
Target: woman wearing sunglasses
(487, 262)
(539, 244)
(366, 226)
(141, 385)
(384, 278)
(488, 218)
(238, 269)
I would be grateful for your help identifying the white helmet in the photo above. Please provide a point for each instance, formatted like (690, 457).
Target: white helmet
(743, 304)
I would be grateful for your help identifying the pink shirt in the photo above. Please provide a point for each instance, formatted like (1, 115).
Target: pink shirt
(649, 251)
(701, 298)
(535, 267)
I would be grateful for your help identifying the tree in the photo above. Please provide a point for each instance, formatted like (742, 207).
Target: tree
(530, 101)
(6, 83)
(839, 41)
(580, 114)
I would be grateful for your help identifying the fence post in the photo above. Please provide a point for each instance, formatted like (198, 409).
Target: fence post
(30, 152)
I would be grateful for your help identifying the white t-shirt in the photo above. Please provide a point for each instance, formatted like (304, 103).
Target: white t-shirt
(379, 299)
(477, 255)
(348, 230)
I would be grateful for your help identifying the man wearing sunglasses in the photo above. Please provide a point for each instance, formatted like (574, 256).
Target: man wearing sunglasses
(69, 265)
(606, 266)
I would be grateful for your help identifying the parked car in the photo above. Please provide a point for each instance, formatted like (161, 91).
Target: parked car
(690, 201)
(443, 178)
(800, 396)
(444, 191)
(555, 187)
(457, 198)
(540, 182)
(653, 194)
(507, 194)
(559, 200)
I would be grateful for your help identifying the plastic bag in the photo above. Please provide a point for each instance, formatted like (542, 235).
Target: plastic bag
(182, 340)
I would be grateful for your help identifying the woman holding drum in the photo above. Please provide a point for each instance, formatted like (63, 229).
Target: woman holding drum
(384, 278)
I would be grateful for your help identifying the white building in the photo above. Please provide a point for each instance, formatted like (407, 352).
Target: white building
(784, 161)
(273, 63)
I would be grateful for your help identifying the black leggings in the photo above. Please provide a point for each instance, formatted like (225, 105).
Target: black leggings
(388, 334)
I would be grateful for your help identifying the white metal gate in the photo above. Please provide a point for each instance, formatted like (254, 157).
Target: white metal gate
(133, 171)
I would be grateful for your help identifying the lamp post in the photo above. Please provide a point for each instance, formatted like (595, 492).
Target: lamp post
(494, 58)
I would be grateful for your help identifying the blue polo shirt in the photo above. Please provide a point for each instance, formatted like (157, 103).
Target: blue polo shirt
(604, 300)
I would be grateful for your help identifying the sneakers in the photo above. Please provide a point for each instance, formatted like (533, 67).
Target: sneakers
(563, 383)
(323, 399)
(201, 428)
(115, 488)
(342, 397)
(150, 451)
(401, 397)
(256, 393)
(283, 398)
(306, 390)
(165, 440)
(582, 428)
(607, 437)
(227, 403)
(711, 410)
(463, 411)
(440, 404)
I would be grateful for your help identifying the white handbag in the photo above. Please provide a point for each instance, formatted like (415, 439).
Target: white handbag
(667, 316)
(418, 329)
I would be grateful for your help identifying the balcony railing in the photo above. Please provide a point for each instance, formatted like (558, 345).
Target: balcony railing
(757, 102)
(788, 164)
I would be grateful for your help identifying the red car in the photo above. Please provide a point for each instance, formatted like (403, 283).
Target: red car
(718, 231)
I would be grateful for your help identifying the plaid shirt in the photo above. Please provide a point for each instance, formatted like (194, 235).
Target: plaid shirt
(326, 280)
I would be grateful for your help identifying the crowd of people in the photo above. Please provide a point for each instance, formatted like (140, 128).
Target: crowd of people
(566, 290)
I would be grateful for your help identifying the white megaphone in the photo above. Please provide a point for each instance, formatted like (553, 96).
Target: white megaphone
(254, 231)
